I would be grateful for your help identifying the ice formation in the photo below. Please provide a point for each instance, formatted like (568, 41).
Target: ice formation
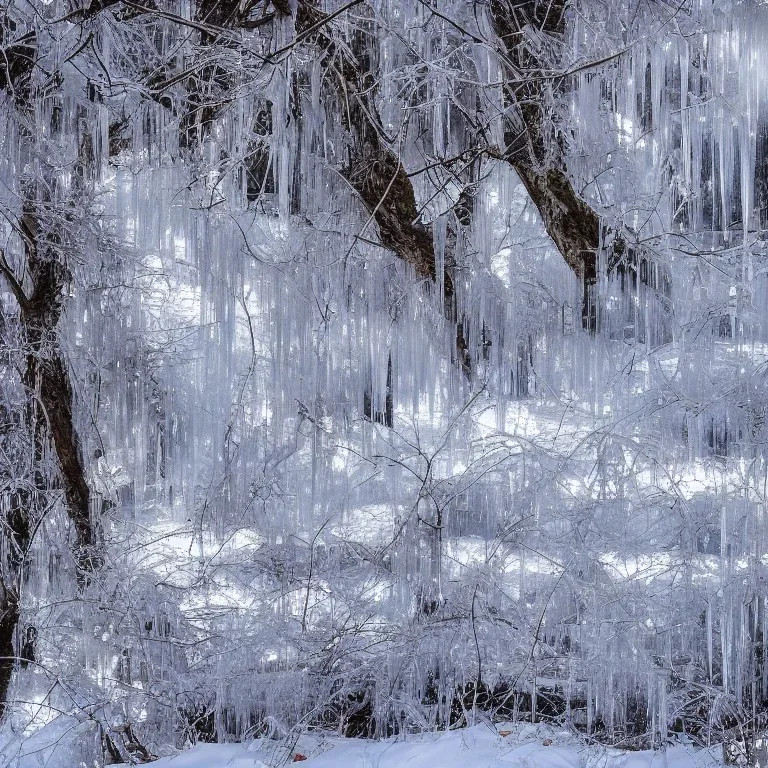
(308, 509)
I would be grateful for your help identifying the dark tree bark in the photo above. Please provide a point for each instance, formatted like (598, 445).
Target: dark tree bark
(17, 535)
(9, 620)
(16, 64)
(47, 379)
(534, 148)
(39, 293)
(50, 419)
(47, 375)
(373, 170)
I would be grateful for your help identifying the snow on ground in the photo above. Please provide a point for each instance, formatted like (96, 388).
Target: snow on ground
(65, 744)
(523, 746)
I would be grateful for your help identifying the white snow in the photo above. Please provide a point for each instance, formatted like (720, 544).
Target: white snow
(67, 743)
(481, 746)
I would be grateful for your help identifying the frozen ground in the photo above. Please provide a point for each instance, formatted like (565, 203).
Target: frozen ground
(65, 745)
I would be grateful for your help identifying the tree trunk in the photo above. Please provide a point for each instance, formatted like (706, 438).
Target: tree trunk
(374, 171)
(50, 422)
(534, 148)
(48, 382)
(17, 539)
(9, 620)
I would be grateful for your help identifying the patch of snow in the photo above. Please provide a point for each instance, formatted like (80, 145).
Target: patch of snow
(482, 746)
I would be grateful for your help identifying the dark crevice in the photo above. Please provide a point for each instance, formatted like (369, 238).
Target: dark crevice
(385, 416)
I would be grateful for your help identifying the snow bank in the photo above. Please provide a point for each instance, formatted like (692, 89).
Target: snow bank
(66, 743)
(478, 747)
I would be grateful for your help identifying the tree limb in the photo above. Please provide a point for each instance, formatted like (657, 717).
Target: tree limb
(375, 172)
(535, 152)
